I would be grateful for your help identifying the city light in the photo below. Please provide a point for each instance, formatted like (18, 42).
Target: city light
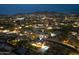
(39, 44)
(49, 28)
(1, 27)
(6, 31)
(20, 27)
(53, 34)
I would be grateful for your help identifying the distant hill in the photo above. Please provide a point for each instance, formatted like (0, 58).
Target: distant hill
(45, 13)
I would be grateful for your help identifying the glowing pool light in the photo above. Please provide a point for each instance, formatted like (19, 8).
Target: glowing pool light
(44, 48)
(40, 38)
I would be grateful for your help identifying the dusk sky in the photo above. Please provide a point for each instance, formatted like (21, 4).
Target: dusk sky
(28, 8)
